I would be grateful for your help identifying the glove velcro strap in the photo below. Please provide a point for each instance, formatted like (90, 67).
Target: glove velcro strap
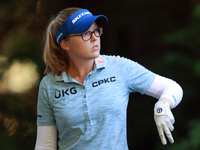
(160, 108)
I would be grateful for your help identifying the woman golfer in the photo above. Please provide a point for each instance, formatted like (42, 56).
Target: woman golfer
(84, 96)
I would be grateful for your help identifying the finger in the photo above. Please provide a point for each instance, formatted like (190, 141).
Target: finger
(162, 136)
(168, 134)
(171, 117)
(170, 126)
(172, 121)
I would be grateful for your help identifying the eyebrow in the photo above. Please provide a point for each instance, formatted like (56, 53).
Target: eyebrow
(90, 30)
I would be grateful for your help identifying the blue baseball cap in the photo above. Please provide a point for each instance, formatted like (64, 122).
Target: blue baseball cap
(79, 22)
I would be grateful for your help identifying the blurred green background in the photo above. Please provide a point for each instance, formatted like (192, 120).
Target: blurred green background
(162, 35)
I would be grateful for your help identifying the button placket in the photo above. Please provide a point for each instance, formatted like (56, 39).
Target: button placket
(85, 106)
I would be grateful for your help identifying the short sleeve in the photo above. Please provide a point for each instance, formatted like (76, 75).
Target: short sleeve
(137, 78)
(44, 111)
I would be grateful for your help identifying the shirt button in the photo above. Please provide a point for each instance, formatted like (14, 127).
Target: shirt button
(84, 96)
(84, 88)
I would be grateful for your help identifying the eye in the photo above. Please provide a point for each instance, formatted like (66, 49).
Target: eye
(85, 33)
(96, 30)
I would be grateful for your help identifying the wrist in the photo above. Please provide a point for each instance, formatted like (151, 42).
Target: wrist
(166, 100)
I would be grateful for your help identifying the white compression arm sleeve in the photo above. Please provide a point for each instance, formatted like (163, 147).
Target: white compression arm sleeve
(46, 138)
(166, 88)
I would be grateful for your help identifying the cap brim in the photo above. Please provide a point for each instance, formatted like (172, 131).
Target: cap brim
(84, 25)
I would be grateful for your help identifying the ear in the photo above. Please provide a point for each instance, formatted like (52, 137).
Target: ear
(64, 45)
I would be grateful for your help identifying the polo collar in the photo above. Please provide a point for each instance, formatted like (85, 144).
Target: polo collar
(100, 62)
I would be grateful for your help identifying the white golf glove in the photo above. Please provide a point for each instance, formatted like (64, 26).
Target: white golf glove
(164, 120)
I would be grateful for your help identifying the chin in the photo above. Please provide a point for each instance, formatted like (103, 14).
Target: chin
(97, 54)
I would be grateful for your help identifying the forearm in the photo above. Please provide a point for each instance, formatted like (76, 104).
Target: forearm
(46, 138)
(169, 95)
(166, 90)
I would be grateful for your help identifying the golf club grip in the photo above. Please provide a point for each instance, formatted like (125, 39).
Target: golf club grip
(166, 147)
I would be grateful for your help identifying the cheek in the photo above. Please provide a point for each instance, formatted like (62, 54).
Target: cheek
(75, 44)
(80, 47)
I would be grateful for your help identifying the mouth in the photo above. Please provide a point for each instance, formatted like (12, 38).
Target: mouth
(95, 47)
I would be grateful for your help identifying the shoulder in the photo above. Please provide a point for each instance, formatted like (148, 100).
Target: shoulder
(112, 57)
(115, 59)
(119, 61)
(48, 79)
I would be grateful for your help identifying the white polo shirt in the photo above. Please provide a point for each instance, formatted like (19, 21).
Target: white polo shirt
(92, 115)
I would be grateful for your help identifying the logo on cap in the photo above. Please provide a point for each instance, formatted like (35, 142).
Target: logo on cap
(79, 16)
(59, 36)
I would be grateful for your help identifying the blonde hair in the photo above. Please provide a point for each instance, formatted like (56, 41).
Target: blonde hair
(55, 58)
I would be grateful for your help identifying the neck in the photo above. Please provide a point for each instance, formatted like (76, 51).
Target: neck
(80, 69)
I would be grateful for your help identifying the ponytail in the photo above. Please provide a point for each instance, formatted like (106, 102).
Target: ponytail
(56, 58)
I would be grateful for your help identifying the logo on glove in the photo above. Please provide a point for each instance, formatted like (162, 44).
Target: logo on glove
(159, 110)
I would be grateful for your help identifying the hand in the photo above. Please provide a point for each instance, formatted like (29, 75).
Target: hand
(164, 120)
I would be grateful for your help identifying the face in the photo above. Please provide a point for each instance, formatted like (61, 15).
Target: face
(79, 49)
